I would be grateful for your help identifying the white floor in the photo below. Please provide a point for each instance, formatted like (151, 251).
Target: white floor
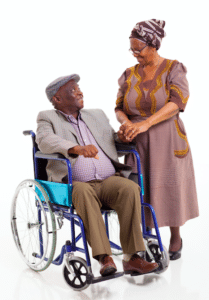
(186, 278)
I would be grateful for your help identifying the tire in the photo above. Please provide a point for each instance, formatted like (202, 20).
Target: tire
(76, 273)
(33, 225)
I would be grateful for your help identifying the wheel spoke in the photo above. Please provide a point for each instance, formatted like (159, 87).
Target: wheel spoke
(79, 269)
(114, 231)
(22, 214)
(75, 268)
(73, 281)
(79, 278)
(82, 272)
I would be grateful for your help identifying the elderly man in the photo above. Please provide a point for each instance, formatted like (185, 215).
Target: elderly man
(86, 138)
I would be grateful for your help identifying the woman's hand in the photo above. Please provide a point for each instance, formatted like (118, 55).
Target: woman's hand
(131, 130)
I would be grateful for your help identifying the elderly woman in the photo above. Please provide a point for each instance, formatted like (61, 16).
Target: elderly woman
(151, 95)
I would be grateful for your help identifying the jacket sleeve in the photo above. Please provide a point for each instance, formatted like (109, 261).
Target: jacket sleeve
(49, 142)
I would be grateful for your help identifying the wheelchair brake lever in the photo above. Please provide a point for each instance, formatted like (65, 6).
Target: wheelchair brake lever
(60, 222)
(60, 219)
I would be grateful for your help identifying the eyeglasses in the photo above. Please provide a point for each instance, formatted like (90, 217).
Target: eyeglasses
(136, 51)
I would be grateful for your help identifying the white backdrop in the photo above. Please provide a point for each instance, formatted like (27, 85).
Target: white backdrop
(42, 40)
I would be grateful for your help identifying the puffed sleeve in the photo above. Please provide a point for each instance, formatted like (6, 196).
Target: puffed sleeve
(179, 89)
(120, 94)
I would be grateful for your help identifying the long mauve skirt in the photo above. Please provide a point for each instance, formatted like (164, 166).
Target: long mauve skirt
(167, 168)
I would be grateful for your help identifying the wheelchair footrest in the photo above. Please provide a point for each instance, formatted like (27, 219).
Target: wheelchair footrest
(104, 278)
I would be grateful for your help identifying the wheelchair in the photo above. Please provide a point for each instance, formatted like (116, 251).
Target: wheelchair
(37, 213)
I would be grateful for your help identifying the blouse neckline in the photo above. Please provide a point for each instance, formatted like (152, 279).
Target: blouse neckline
(157, 71)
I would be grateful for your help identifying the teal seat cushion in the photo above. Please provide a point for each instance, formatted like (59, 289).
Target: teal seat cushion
(59, 193)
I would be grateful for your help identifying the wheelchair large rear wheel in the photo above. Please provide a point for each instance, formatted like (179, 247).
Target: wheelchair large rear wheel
(33, 225)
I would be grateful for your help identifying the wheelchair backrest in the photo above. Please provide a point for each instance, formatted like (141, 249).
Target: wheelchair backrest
(41, 169)
(41, 163)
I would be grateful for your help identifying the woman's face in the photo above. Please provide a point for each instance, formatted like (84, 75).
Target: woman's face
(144, 56)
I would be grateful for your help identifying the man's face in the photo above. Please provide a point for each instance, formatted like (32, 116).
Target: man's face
(70, 97)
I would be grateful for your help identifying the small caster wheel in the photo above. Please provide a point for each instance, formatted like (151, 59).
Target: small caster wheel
(162, 258)
(76, 273)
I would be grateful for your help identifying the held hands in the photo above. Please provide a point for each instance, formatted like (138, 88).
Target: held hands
(86, 151)
(121, 137)
(128, 130)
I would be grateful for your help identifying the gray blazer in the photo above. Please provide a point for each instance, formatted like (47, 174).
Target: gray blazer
(56, 135)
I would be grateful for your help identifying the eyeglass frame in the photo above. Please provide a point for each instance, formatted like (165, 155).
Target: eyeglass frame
(137, 51)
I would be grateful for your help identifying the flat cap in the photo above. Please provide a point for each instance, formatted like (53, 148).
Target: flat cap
(54, 86)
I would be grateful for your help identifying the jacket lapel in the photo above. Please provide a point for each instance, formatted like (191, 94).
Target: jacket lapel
(67, 124)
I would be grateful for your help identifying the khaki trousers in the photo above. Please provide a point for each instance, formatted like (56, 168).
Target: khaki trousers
(118, 193)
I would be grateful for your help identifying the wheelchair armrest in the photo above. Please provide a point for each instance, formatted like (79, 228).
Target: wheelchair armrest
(59, 156)
(55, 156)
(39, 155)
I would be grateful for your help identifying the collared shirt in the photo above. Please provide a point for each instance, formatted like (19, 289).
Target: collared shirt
(86, 168)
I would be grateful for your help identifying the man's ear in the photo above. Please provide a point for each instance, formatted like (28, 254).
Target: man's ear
(56, 99)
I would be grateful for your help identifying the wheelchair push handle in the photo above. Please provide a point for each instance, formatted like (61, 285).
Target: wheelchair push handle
(29, 132)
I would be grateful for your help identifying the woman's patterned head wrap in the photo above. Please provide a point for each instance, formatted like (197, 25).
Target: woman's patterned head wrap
(151, 32)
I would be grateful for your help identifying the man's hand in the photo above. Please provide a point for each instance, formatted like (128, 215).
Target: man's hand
(86, 151)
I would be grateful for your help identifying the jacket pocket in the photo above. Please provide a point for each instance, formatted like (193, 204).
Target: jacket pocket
(183, 147)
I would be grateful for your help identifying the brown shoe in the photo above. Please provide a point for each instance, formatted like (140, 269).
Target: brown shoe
(138, 265)
(108, 266)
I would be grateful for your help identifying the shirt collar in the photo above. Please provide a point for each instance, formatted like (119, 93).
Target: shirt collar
(70, 118)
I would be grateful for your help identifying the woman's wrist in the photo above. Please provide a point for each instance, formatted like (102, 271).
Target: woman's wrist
(126, 121)
(146, 122)
(122, 117)
(149, 122)
(165, 113)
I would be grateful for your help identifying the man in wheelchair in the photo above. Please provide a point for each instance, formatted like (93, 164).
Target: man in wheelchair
(86, 138)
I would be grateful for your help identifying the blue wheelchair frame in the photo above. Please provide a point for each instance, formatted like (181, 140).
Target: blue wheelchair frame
(68, 212)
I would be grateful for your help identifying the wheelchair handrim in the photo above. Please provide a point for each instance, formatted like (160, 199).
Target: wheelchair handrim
(26, 185)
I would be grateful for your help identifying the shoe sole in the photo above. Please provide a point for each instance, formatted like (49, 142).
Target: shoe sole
(108, 271)
(175, 256)
(135, 273)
